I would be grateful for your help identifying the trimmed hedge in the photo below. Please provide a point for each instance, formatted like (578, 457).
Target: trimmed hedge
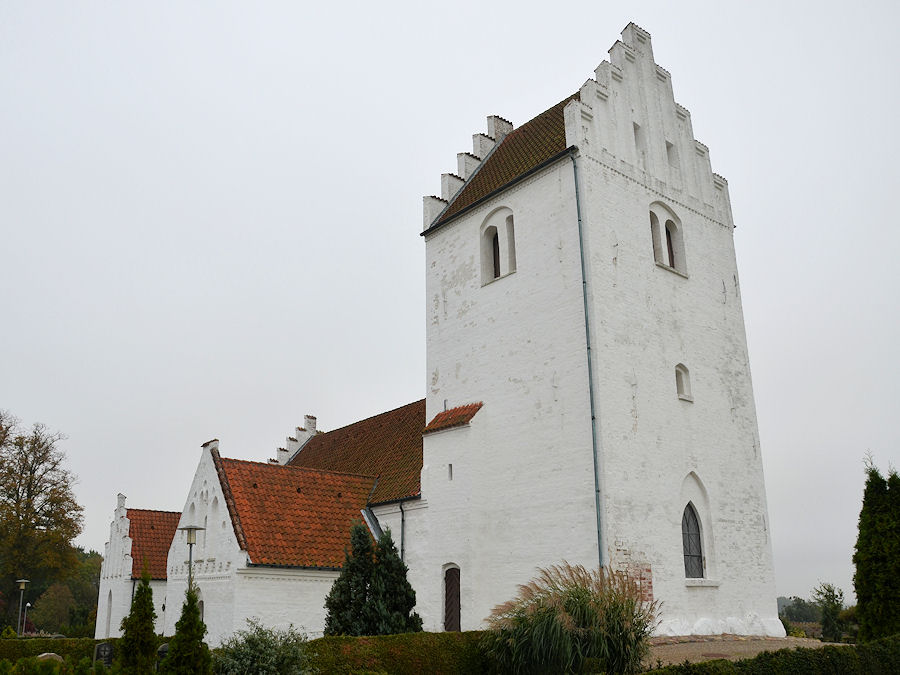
(71, 649)
(405, 654)
(881, 657)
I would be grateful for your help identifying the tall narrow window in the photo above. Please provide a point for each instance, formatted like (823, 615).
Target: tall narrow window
(654, 235)
(495, 249)
(108, 613)
(510, 244)
(451, 599)
(690, 536)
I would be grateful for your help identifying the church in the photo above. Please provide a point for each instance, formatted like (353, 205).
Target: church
(588, 398)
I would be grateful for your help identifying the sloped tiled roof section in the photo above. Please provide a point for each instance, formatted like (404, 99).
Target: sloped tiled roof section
(292, 516)
(388, 446)
(454, 417)
(151, 535)
(526, 148)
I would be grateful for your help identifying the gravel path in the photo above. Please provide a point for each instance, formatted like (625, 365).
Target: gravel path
(695, 648)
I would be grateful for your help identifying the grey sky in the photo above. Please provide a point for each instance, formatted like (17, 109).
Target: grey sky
(210, 215)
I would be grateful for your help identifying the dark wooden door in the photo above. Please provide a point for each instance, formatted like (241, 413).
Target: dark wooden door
(451, 599)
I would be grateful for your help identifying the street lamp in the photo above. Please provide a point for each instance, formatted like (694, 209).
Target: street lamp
(25, 618)
(191, 540)
(21, 583)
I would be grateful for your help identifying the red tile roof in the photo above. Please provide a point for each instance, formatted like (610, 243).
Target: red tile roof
(455, 417)
(151, 535)
(285, 515)
(388, 446)
(523, 150)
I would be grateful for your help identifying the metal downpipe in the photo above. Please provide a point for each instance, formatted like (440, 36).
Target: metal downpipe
(595, 441)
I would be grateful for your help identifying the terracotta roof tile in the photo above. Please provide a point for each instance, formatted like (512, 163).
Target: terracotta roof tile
(522, 150)
(388, 445)
(151, 535)
(454, 417)
(290, 515)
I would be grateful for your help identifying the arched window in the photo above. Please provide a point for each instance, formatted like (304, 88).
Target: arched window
(668, 239)
(683, 382)
(690, 537)
(498, 246)
(451, 599)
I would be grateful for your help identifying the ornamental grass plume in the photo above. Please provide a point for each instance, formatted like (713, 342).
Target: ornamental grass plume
(570, 618)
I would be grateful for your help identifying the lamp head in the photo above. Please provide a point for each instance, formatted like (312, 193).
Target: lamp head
(191, 532)
(21, 583)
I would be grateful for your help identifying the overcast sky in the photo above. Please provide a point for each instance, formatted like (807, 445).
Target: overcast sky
(210, 214)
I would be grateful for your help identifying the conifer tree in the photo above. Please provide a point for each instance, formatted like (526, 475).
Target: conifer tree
(877, 557)
(345, 605)
(137, 648)
(392, 598)
(188, 654)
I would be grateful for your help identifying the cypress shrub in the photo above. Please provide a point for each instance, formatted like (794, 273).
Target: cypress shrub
(877, 557)
(346, 603)
(188, 654)
(391, 598)
(137, 646)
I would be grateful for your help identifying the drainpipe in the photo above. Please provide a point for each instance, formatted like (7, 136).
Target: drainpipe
(595, 413)
(402, 529)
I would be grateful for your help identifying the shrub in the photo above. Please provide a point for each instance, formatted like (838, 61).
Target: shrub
(8, 633)
(188, 654)
(263, 651)
(571, 617)
(406, 654)
(831, 600)
(137, 647)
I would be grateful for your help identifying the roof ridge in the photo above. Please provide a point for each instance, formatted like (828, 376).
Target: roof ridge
(371, 417)
(293, 467)
(127, 509)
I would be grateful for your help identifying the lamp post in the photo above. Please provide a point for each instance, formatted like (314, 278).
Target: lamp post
(21, 583)
(191, 540)
(25, 617)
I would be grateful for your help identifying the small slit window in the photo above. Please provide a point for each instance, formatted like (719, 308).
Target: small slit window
(495, 249)
(691, 542)
(683, 382)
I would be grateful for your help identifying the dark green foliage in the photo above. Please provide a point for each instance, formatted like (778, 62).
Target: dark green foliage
(188, 654)
(877, 557)
(881, 657)
(372, 595)
(137, 647)
(70, 649)
(801, 611)
(407, 654)
(831, 600)
(263, 651)
(570, 618)
(391, 597)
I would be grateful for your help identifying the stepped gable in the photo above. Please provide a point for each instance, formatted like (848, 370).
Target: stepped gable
(151, 535)
(292, 516)
(388, 446)
(521, 151)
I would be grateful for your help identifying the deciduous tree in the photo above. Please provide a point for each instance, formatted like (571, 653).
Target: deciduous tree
(831, 600)
(39, 516)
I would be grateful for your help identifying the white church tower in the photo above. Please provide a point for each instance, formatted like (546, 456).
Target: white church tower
(581, 285)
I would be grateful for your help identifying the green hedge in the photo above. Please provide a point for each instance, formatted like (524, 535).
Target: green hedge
(881, 657)
(72, 649)
(407, 654)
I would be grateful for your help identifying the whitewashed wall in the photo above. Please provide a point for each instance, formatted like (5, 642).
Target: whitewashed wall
(522, 488)
(230, 588)
(116, 585)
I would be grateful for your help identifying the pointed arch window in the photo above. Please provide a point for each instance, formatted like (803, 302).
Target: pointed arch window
(691, 543)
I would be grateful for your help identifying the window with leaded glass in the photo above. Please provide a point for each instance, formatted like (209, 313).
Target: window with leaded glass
(690, 537)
